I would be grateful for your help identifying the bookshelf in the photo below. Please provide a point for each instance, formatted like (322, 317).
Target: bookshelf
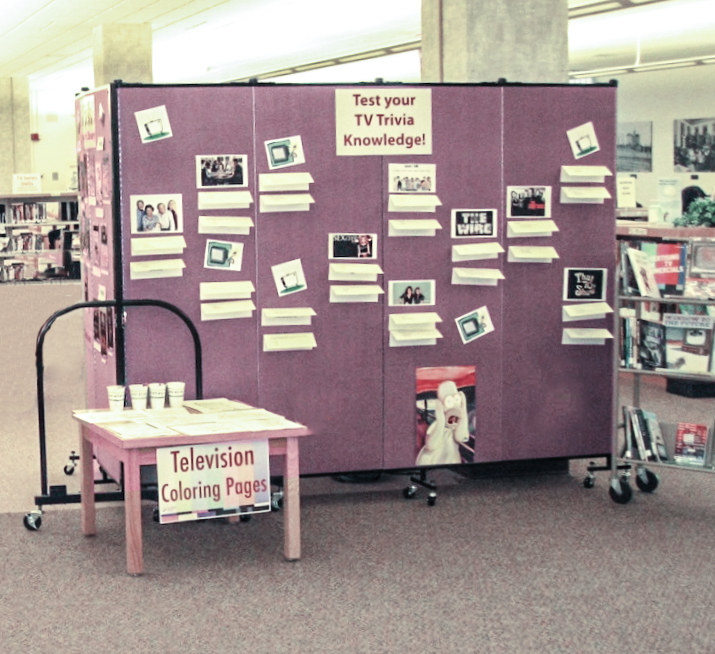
(39, 238)
(667, 334)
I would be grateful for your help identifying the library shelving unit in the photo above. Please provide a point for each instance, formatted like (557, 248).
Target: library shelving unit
(683, 382)
(39, 237)
(293, 320)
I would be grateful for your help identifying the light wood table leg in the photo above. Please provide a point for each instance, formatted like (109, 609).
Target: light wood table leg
(291, 501)
(132, 513)
(87, 510)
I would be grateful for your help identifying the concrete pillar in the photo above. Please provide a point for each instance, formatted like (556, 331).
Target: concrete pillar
(484, 40)
(15, 144)
(122, 51)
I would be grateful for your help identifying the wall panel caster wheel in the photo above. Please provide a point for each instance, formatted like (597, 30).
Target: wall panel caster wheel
(432, 499)
(646, 480)
(32, 521)
(155, 514)
(409, 492)
(277, 501)
(620, 491)
(245, 517)
(589, 482)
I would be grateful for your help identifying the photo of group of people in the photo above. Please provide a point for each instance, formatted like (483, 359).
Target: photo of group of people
(156, 214)
(412, 292)
(694, 145)
(221, 170)
(412, 178)
(352, 246)
(528, 201)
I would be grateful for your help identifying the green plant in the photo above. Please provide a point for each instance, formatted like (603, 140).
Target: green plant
(700, 213)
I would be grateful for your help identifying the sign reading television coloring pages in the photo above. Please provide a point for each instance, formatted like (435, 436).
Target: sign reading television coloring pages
(196, 482)
(383, 121)
(474, 223)
(585, 284)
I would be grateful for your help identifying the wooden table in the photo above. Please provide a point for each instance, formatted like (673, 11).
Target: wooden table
(138, 451)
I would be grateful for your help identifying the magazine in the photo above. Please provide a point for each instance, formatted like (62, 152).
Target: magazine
(688, 342)
(651, 345)
(691, 441)
(644, 272)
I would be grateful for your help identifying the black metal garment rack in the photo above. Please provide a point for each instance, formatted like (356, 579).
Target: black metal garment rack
(58, 494)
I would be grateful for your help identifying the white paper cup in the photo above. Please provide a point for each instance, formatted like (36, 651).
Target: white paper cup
(116, 397)
(176, 393)
(139, 394)
(157, 395)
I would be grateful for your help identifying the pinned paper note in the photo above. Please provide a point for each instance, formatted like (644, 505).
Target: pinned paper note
(413, 321)
(227, 310)
(225, 225)
(415, 227)
(588, 311)
(530, 228)
(584, 174)
(290, 316)
(584, 194)
(272, 182)
(355, 293)
(286, 202)
(585, 336)
(413, 203)
(160, 245)
(476, 251)
(414, 338)
(156, 269)
(535, 254)
(354, 272)
(476, 276)
(225, 200)
(239, 290)
(287, 342)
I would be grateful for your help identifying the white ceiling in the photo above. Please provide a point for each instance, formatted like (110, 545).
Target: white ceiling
(50, 41)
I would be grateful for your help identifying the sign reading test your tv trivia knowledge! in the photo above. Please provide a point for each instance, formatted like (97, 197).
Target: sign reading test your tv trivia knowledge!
(383, 121)
(212, 481)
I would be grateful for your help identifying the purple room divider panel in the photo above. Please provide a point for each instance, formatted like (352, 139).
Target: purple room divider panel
(178, 147)
(466, 178)
(336, 385)
(95, 177)
(289, 221)
(558, 399)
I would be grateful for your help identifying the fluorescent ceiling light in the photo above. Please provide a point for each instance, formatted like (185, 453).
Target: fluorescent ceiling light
(587, 10)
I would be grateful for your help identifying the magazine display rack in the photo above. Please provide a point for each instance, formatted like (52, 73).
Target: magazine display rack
(386, 263)
(39, 237)
(668, 334)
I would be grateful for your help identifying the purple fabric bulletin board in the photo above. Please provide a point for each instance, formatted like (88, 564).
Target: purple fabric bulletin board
(535, 398)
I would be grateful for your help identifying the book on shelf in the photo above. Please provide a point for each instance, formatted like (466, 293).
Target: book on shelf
(639, 443)
(691, 444)
(671, 265)
(651, 345)
(688, 342)
(656, 436)
(643, 269)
